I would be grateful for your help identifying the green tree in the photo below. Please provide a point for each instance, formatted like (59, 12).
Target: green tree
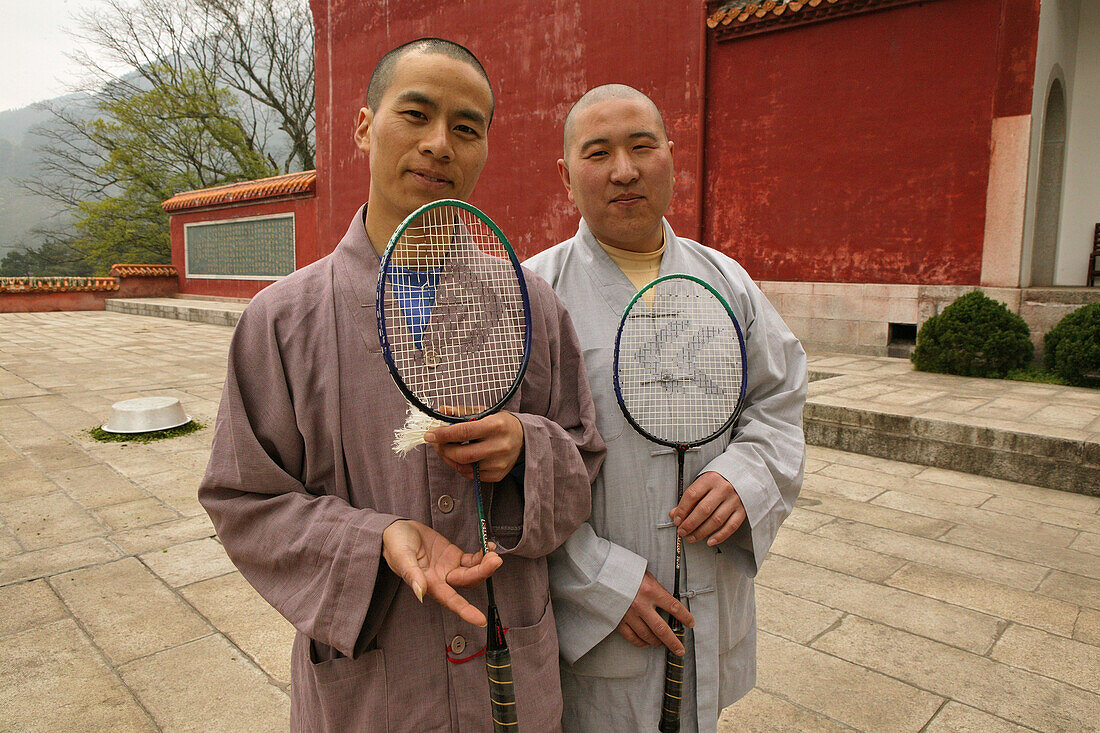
(53, 258)
(222, 91)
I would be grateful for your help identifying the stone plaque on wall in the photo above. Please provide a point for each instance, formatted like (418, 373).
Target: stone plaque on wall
(254, 248)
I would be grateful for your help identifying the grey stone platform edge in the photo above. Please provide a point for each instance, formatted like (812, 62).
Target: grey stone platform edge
(1069, 463)
(217, 312)
(855, 424)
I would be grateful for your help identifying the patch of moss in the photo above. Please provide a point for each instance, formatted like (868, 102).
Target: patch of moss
(1034, 374)
(98, 433)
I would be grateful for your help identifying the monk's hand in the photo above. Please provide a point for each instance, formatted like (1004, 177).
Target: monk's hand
(494, 442)
(643, 625)
(710, 508)
(428, 561)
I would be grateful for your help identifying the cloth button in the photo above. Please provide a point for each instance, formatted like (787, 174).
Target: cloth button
(458, 644)
(445, 504)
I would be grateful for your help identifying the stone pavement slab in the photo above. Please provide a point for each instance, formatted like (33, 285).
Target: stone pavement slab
(115, 602)
(1023, 697)
(53, 679)
(957, 718)
(207, 686)
(27, 605)
(230, 604)
(1039, 434)
(897, 596)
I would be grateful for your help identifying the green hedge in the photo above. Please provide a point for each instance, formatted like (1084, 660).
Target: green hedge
(1072, 348)
(975, 336)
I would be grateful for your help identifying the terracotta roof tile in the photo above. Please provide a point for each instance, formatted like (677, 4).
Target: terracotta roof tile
(291, 184)
(736, 18)
(143, 271)
(57, 284)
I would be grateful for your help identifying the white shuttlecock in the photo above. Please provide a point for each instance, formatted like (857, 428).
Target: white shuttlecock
(411, 434)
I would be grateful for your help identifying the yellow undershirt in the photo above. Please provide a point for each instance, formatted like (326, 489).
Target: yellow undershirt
(641, 268)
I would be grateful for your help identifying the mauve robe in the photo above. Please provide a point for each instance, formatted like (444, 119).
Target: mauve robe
(302, 481)
(609, 685)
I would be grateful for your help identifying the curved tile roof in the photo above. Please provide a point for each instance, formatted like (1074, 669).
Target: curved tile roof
(57, 284)
(143, 271)
(290, 184)
(735, 18)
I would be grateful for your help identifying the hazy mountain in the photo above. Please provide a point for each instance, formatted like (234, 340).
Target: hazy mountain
(20, 211)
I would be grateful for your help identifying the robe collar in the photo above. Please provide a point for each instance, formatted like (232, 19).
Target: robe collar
(355, 277)
(613, 285)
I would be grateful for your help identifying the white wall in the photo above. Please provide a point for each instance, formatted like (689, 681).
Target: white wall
(1081, 188)
(1056, 57)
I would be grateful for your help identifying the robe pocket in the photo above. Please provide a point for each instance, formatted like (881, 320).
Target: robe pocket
(609, 416)
(736, 606)
(613, 658)
(534, 651)
(352, 692)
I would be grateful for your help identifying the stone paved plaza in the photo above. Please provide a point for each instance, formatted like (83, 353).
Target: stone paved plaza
(897, 597)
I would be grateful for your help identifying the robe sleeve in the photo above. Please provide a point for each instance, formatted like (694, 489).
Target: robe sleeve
(562, 450)
(315, 558)
(593, 581)
(766, 457)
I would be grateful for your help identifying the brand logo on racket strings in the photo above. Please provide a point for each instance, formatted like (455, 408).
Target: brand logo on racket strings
(685, 344)
(467, 308)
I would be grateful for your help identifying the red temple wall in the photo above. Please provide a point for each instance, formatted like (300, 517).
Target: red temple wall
(305, 242)
(850, 150)
(856, 150)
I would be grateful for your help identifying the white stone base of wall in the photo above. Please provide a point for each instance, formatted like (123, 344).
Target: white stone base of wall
(856, 318)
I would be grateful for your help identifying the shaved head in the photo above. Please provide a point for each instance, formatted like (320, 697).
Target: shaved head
(383, 73)
(603, 94)
(618, 168)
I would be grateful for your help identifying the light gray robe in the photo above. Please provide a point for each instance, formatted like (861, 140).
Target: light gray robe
(302, 482)
(608, 684)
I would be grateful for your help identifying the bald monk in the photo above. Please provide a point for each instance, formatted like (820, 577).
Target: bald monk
(610, 580)
(370, 556)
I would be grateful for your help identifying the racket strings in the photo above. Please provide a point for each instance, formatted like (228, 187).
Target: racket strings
(457, 332)
(679, 368)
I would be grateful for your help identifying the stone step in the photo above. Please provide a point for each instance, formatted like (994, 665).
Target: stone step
(219, 313)
(1068, 464)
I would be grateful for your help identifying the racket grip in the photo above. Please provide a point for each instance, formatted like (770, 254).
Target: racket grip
(674, 685)
(502, 693)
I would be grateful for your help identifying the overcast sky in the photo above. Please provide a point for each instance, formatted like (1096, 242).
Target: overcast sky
(33, 44)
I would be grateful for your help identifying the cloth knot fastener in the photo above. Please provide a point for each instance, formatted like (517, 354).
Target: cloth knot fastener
(696, 592)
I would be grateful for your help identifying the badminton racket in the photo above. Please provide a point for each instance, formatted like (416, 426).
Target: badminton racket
(454, 323)
(679, 376)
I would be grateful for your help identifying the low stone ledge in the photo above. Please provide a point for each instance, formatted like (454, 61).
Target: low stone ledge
(1057, 463)
(179, 309)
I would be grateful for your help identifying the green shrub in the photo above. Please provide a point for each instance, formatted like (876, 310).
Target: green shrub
(1072, 348)
(975, 336)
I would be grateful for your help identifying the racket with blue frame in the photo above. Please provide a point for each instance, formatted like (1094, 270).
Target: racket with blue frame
(454, 323)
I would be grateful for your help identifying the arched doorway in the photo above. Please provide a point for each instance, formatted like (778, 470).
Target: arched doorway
(1048, 203)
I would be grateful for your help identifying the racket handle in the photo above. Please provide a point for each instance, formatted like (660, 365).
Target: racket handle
(502, 693)
(498, 663)
(674, 685)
